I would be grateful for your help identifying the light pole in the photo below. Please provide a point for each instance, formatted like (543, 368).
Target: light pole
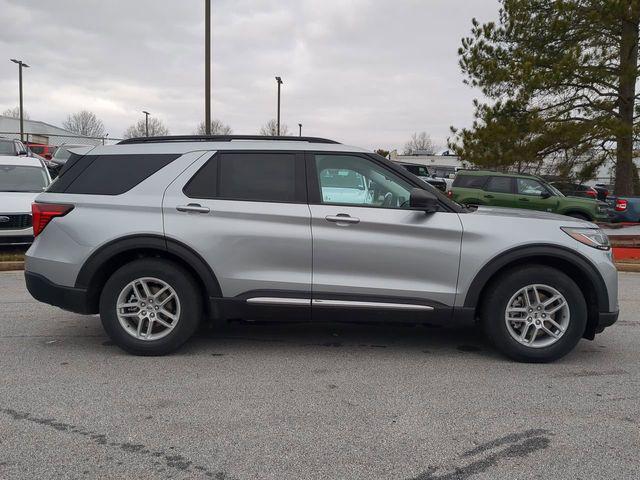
(20, 64)
(299, 129)
(146, 122)
(207, 67)
(279, 80)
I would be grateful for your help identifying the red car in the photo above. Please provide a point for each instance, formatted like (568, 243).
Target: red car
(42, 149)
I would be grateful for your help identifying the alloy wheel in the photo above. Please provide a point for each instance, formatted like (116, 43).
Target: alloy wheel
(537, 316)
(148, 308)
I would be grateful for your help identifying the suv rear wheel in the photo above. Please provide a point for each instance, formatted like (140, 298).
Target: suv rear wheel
(534, 314)
(150, 307)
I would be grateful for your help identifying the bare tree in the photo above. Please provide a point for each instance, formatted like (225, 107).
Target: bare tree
(84, 123)
(156, 129)
(271, 128)
(217, 128)
(420, 142)
(15, 113)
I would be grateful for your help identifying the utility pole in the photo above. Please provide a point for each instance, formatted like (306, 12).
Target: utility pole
(207, 66)
(21, 65)
(300, 130)
(146, 122)
(279, 80)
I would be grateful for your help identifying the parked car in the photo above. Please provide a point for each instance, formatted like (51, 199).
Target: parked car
(603, 191)
(570, 189)
(481, 187)
(14, 148)
(157, 234)
(425, 175)
(21, 180)
(625, 209)
(64, 151)
(42, 149)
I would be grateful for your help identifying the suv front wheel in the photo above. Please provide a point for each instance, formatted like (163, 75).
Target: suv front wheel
(150, 306)
(534, 314)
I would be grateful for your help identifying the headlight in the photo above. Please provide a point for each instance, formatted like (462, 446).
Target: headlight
(593, 237)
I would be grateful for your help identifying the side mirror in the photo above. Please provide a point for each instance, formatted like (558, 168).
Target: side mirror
(545, 195)
(422, 200)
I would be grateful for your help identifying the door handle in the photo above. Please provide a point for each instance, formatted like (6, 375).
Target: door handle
(488, 196)
(193, 207)
(342, 218)
(524, 199)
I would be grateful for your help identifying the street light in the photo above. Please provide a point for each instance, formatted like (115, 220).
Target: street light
(146, 122)
(20, 64)
(207, 67)
(300, 130)
(279, 80)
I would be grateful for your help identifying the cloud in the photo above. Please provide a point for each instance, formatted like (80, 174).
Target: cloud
(366, 72)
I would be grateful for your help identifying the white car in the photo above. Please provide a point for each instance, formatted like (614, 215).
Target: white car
(21, 180)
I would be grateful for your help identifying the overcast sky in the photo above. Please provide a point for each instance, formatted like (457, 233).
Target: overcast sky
(364, 72)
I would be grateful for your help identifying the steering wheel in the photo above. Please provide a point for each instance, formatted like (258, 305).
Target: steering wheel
(388, 198)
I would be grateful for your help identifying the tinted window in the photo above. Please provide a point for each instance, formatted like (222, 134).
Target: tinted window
(7, 148)
(418, 170)
(266, 177)
(204, 184)
(499, 185)
(109, 174)
(469, 181)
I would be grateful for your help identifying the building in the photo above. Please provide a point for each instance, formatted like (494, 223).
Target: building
(430, 161)
(41, 132)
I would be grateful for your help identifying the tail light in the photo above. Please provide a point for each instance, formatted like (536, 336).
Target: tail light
(449, 193)
(621, 205)
(43, 213)
(592, 193)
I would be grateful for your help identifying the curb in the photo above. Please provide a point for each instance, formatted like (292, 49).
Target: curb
(628, 267)
(11, 266)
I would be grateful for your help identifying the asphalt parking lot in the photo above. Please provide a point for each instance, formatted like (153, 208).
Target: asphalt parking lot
(319, 401)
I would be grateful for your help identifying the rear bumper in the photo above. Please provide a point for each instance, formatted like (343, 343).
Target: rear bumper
(68, 298)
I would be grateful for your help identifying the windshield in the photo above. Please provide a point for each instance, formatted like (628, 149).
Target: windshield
(18, 178)
(7, 148)
(62, 154)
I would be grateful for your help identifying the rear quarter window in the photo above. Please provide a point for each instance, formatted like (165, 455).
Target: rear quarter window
(108, 174)
(469, 181)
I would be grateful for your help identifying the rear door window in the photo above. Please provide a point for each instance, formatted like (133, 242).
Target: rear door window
(469, 181)
(251, 176)
(499, 185)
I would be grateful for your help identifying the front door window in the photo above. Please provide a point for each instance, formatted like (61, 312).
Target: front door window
(352, 180)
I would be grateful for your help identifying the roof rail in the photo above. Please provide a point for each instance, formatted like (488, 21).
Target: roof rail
(221, 138)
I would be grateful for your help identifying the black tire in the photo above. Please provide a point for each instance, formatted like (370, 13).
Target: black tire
(580, 216)
(500, 291)
(172, 274)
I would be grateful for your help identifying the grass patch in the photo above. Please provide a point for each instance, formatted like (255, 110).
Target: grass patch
(12, 254)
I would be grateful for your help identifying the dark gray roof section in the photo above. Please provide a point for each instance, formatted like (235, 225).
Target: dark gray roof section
(222, 138)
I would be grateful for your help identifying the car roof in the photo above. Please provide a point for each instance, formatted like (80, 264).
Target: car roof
(25, 161)
(491, 173)
(183, 147)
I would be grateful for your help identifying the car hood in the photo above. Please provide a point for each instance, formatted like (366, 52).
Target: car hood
(16, 202)
(532, 215)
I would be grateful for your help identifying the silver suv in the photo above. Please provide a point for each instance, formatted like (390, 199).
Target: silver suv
(157, 234)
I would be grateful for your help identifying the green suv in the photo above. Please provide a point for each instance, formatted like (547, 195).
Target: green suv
(482, 187)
